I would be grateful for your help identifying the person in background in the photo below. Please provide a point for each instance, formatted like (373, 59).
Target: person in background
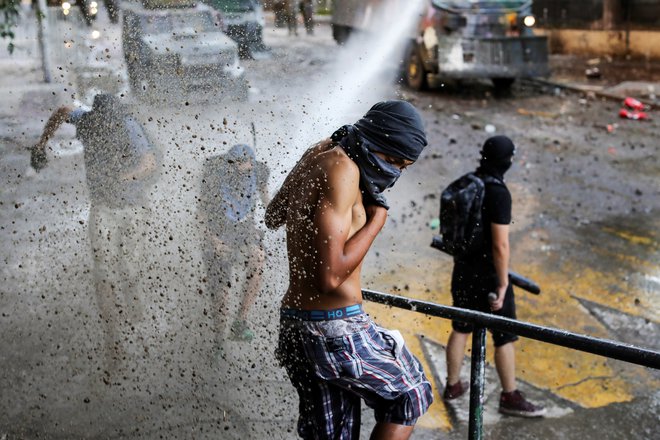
(484, 271)
(120, 165)
(291, 13)
(307, 11)
(231, 186)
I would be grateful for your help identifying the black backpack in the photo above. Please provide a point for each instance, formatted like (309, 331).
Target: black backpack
(460, 214)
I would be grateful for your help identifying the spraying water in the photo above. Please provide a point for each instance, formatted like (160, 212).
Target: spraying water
(363, 73)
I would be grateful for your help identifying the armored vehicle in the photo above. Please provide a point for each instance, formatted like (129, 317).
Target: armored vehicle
(458, 39)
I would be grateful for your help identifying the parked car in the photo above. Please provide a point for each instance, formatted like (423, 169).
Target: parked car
(244, 23)
(180, 49)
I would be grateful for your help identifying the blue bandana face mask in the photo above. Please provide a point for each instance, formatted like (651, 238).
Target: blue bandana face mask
(376, 174)
(380, 174)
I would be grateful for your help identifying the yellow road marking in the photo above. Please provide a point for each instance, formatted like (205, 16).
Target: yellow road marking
(629, 236)
(587, 380)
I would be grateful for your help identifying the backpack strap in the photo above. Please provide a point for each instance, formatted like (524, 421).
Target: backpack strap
(486, 178)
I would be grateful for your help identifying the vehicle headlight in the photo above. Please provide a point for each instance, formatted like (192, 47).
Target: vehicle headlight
(66, 8)
(93, 8)
(529, 21)
(95, 34)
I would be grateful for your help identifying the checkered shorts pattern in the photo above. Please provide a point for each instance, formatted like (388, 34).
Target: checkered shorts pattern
(335, 364)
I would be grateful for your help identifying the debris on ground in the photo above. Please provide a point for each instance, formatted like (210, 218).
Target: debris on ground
(633, 109)
(633, 104)
(592, 73)
(633, 114)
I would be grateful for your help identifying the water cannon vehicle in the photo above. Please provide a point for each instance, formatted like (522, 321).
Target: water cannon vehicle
(458, 39)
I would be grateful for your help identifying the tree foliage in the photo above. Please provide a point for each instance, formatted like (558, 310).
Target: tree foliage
(9, 12)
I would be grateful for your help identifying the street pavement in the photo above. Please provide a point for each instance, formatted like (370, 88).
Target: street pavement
(598, 270)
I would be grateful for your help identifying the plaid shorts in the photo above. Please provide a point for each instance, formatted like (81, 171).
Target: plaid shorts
(334, 364)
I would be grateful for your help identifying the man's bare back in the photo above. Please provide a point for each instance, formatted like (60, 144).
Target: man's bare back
(329, 230)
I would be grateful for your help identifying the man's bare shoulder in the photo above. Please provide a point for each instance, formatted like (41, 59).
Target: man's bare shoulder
(337, 165)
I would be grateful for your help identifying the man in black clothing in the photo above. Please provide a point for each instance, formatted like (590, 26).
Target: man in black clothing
(484, 271)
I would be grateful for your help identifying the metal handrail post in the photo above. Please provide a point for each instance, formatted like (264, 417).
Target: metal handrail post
(477, 380)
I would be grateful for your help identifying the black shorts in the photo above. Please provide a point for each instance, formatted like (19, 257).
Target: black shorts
(469, 290)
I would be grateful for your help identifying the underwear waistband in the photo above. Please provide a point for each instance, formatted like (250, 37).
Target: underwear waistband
(322, 315)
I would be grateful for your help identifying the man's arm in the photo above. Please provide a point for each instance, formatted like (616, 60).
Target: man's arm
(276, 210)
(38, 157)
(339, 256)
(500, 234)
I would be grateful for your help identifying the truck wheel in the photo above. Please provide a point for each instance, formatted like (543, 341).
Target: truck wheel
(415, 74)
(503, 84)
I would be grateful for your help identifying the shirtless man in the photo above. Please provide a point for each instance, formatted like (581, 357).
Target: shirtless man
(333, 208)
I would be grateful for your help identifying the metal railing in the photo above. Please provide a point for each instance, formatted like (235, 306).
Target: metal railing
(481, 321)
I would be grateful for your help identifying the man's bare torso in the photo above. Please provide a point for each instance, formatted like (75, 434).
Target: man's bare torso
(308, 183)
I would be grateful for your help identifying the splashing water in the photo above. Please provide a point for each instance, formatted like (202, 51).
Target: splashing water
(363, 73)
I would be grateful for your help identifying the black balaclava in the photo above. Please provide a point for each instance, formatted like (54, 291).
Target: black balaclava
(393, 128)
(496, 156)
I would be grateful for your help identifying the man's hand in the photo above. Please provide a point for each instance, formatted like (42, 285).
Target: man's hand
(38, 158)
(376, 213)
(499, 302)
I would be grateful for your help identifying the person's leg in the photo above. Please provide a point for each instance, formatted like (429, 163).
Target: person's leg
(254, 258)
(217, 274)
(254, 272)
(103, 241)
(130, 265)
(326, 410)
(392, 382)
(505, 363)
(455, 354)
(391, 431)
(512, 401)
(505, 354)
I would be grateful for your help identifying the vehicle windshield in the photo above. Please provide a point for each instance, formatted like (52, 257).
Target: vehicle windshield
(482, 5)
(193, 23)
(232, 5)
(157, 24)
